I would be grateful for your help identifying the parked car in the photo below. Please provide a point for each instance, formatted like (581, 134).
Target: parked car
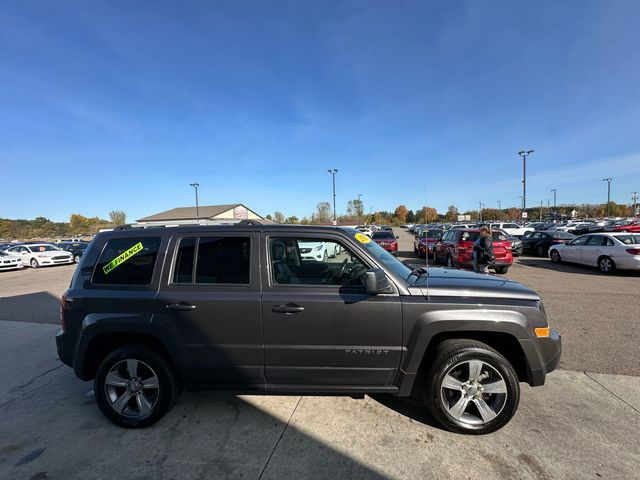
(365, 229)
(539, 242)
(426, 241)
(9, 261)
(512, 229)
(387, 240)
(318, 251)
(360, 323)
(516, 243)
(631, 226)
(40, 254)
(607, 251)
(455, 249)
(76, 249)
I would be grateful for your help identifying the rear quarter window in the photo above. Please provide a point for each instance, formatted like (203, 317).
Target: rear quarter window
(127, 261)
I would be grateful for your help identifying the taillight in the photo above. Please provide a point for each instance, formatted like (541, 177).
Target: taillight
(633, 251)
(63, 305)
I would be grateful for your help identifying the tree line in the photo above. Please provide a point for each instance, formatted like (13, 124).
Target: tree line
(42, 227)
(401, 215)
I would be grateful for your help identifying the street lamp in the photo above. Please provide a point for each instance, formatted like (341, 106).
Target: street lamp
(608, 180)
(555, 212)
(524, 154)
(333, 175)
(195, 186)
(481, 205)
(499, 210)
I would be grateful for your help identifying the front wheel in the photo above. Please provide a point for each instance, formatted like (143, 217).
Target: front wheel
(135, 387)
(76, 258)
(555, 256)
(471, 388)
(34, 263)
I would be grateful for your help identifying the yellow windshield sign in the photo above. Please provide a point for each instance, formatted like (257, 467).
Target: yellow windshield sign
(123, 257)
(362, 238)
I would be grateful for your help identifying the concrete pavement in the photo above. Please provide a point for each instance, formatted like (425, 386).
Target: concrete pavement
(577, 426)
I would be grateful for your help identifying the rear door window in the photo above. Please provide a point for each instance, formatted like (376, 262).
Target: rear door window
(127, 261)
(213, 260)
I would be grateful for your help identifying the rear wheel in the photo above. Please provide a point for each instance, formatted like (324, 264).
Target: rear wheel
(135, 387)
(606, 265)
(471, 388)
(540, 251)
(501, 270)
(555, 256)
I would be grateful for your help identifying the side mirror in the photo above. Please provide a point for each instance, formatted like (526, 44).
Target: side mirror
(376, 281)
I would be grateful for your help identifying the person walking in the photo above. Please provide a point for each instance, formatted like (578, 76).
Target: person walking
(483, 251)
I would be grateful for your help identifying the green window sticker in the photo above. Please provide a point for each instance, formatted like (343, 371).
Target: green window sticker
(123, 257)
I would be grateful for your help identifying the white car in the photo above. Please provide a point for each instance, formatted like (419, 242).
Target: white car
(368, 231)
(41, 254)
(318, 251)
(607, 251)
(513, 229)
(9, 261)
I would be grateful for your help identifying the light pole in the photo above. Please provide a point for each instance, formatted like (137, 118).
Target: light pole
(499, 209)
(524, 154)
(481, 205)
(195, 186)
(555, 212)
(541, 210)
(333, 175)
(634, 199)
(608, 180)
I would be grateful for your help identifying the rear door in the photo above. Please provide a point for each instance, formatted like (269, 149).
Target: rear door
(209, 300)
(594, 248)
(320, 327)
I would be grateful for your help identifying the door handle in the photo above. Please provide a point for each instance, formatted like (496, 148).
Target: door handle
(287, 308)
(180, 307)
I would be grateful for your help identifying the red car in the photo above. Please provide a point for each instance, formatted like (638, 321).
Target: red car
(630, 227)
(426, 240)
(456, 249)
(387, 240)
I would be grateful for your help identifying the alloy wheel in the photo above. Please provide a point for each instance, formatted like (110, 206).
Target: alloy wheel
(132, 388)
(473, 392)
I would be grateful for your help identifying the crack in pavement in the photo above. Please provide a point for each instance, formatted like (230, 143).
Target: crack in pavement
(19, 388)
(613, 393)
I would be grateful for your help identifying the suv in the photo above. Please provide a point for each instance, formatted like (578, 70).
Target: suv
(455, 249)
(150, 310)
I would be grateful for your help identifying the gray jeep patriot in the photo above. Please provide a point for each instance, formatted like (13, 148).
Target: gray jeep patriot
(299, 309)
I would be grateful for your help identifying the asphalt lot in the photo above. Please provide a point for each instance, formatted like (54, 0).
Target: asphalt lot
(581, 424)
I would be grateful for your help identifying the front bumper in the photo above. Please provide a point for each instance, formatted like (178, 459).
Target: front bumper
(543, 355)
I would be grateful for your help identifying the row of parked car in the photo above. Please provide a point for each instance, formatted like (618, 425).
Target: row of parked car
(608, 251)
(39, 254)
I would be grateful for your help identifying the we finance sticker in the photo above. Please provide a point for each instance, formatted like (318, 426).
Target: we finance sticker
(123, 257)
(362, 238)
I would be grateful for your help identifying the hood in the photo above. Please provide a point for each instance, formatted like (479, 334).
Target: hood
(446, 282)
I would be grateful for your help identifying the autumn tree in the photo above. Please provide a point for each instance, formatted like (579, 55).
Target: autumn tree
(278, 217)
(292, 219)
(322, 213)
(452, 214)
(401, 213)
(426, 215)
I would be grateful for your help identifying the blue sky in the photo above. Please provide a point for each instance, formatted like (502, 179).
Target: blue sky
(120, 105)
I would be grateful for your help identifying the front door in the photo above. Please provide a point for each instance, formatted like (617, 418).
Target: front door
(209, 299)
(573, 252)
(320, 327)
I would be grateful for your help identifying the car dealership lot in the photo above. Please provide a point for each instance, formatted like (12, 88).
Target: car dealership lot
(580, 425)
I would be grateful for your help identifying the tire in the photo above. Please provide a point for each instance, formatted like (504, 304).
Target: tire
(147, 405)
(34, 263)
(325, 257)
(555, 256)
(450, 261)
(76, 259)
(540, 251)
(452, 382)
(606, 265)
(501, 270)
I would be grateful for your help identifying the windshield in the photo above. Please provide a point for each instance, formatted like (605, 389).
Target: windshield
(3, 254)
(43, 248)
(629, 239)
(385, 258)
(437, 234)
(383, 234)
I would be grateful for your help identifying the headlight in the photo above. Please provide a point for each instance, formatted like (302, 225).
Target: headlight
(319, 247)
